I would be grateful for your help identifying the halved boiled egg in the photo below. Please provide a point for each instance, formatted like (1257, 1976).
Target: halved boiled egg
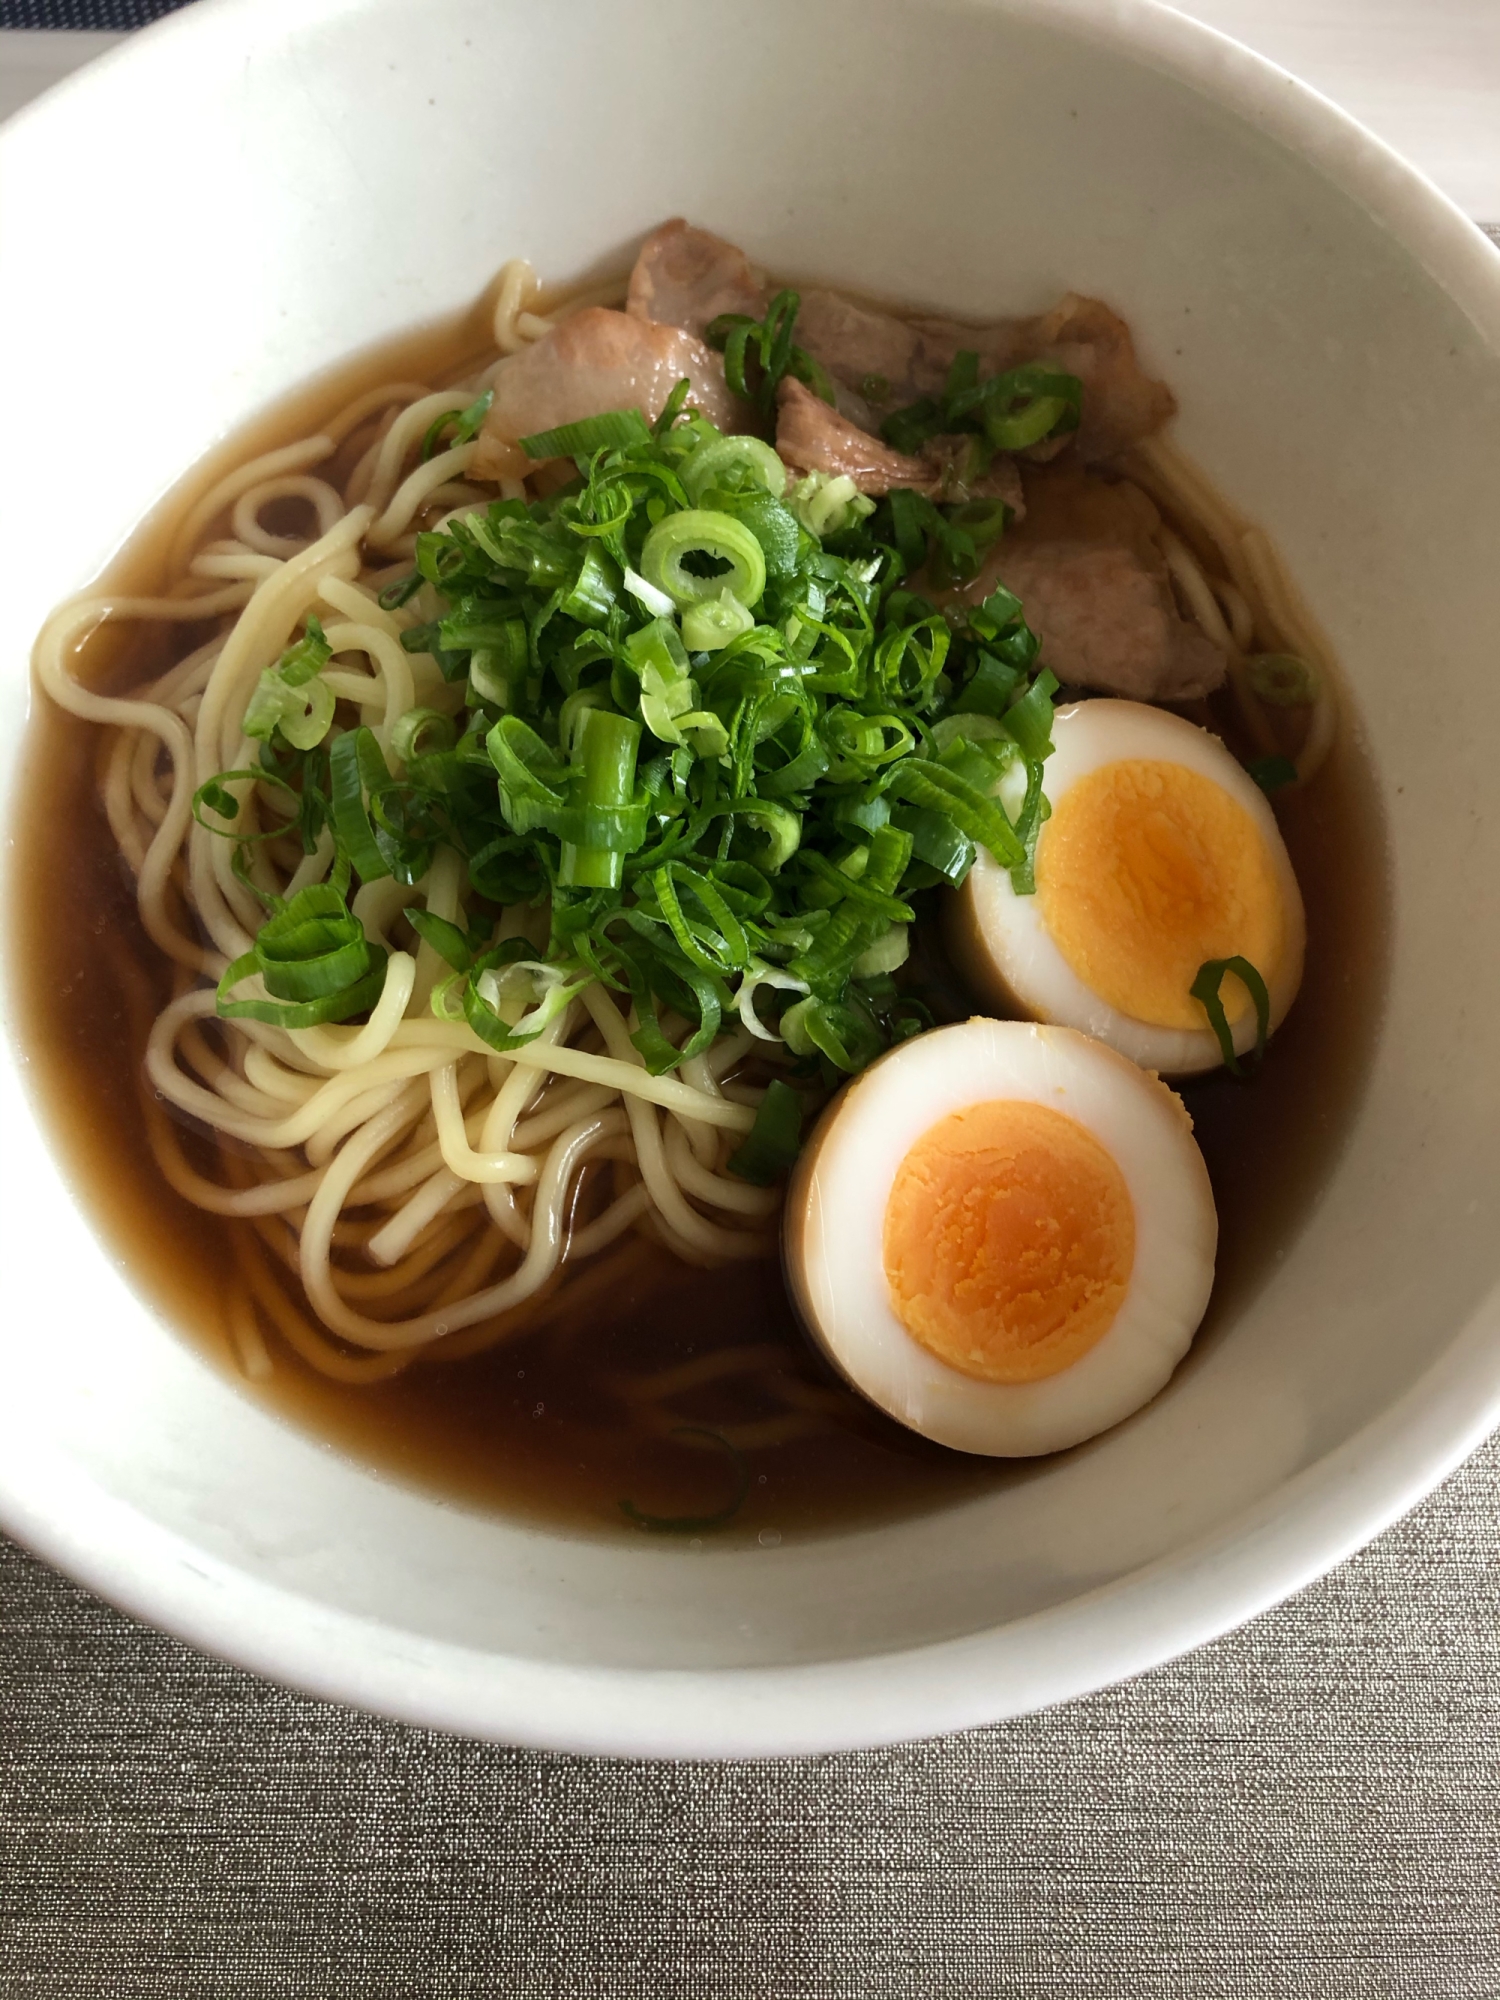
(1003, 1234)
(1161, 854)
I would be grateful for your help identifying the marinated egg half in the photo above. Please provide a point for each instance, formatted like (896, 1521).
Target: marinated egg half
(1003, 1235)
(1161, 853)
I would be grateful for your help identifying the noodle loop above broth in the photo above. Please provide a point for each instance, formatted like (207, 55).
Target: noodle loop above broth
(365, 1103)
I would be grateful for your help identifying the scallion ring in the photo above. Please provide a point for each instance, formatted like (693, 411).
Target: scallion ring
(1283, 680)
(422, 732)
(733, 464)
(710, 625)
(739, 566)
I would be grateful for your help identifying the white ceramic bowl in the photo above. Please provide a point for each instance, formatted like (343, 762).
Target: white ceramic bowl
(257, 187)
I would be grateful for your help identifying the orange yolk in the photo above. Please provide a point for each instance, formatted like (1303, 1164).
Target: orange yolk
(1009, 1241)
(1144, 871)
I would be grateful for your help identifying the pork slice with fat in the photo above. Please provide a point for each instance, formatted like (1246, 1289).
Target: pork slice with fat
(686, 277)
(595, 361)
(893, 361)
(1088, 568)
(814, 437)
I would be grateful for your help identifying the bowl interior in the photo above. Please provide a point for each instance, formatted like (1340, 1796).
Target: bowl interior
(289, 183)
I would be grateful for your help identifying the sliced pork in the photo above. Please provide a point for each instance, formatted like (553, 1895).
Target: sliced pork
(1121, 403)
(888, 361)
(892, 362)
(880, 362)
(686, 277)
(814, 437)
(1088, 568)
(595, 361)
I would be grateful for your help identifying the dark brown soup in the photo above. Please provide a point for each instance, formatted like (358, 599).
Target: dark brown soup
(621, 1398)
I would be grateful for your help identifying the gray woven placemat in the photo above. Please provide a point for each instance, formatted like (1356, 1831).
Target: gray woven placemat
(1308, 1810)
(90, 14)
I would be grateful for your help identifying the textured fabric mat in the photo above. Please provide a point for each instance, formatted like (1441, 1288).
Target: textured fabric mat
(1307, 1810)
(117, 14)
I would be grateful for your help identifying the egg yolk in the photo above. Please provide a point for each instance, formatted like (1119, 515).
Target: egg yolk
(1144, 871)
(1009, 1241)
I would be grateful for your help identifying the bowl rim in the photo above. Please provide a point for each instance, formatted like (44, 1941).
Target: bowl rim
(1154, 1613)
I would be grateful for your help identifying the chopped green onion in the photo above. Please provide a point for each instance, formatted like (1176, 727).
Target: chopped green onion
(1029, 720)
(775, 827)
(1009, 411)
(909, 428)
(826, 503)
(936, 841)
(967, 727)
(446, 939)
(657, 648)
(605, 746)
(570, 715)
(396, 594)
(673, 408)
(912, 653)
(532, 777)
(938, 790)
(1205, 988)
(771, 1144)
(590, 434)
(990, 688)
(1283, 680)
(1019, 407)
(847, 1037)
(758, 353)
(709, 625)
(756, 976)
(695, 1524)
(774, 526)
(466, 425)
(655, 601)
(359, 772)
(887, 954)
(522, 997)
(983, 521)
(594, 591)
(289, 697)
(307, 657)
(314, 960)
(1033, 815)
(498, 667)
(720, 945)
(1271, 773)
(862, 743)
(733, 463)
(215, 797)
(706, 538)
(669, 694)
(851, 888)
(421, 732)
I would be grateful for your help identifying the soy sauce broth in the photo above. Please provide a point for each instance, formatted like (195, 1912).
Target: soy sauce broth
(622, 1398)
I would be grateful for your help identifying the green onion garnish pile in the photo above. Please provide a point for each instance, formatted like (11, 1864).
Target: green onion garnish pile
(709, 721)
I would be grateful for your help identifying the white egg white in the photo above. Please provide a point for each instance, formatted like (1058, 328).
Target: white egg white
(1001, 943)
(834, 1233)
